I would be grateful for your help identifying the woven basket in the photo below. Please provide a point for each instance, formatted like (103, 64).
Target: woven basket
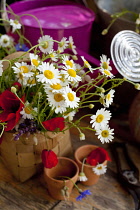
(23, 157)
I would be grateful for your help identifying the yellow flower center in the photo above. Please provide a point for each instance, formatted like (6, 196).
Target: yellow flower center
(86, 64)
(52, 55)
(69, 63)
(20, 76)
(107, 72)
(16, 22)
(105, 133)
(105, 65)
(70, 96)
(27, 110)
(5, 41)
(61, 44)
(70, 45)
(99, 118)
(56, 87)
(45, 45)
(24, 69)
(72, 72)
(32, 81)
(35, 62)
(58, 97)
(48, 74)
(108, 96)
(99, 167)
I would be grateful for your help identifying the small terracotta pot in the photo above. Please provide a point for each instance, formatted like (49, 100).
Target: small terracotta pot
(53, 177)
(81, 153)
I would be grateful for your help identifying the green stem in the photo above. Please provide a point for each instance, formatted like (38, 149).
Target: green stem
(83, 163)
(66, 177)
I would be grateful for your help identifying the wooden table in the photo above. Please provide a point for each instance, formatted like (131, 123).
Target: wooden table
(107, 194)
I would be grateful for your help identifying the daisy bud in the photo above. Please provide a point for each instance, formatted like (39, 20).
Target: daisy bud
(13, 90)
(102, 90)
(91, 106)
(82, 136)
(137, 86)
(74, 57)
(104, 32)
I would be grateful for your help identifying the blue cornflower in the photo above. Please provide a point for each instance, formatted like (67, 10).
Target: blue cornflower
(21, 47)
(83, 195)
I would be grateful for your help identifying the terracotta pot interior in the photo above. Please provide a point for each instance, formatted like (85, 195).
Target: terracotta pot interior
(63, 168)
(83, 152)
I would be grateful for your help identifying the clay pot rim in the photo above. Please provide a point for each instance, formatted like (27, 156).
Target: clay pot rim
(87, 145)
(69, 159)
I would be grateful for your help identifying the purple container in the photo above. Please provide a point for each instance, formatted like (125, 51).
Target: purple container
(57, 20)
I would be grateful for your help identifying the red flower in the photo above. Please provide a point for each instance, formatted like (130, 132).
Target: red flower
(99, 155)
(49, 158)
(52, 124)
(11, 106)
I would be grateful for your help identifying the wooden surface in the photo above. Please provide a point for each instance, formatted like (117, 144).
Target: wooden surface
(107, 194)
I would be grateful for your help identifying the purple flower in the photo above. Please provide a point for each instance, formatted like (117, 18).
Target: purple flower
(21, 47)
(83, 195)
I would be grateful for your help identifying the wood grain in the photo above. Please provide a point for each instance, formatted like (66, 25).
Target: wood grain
(107, 194)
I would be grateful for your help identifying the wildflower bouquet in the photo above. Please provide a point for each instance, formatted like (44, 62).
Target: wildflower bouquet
(45, 93)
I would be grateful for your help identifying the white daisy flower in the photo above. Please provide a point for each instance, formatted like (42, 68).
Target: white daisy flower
(27, 111)
(53, 55)
(46, 44)
(71, 75)
(101, 118)
(82, 177)
(34, 59)
(82, 136)
(100, 169)
(70, 115)
(31, 81)
(1, 68)
(22, 69)
(105, 134)
(71, 45)
(48, 74)
(71, 98)
(15, 25)
(107, 73)
(104, 66)
(57, 102)
(105, 63)
(86, 64)
(5, 41)
(109, 97)
(67, 62)
(63, 44)
(57, 88)
(64, 81)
